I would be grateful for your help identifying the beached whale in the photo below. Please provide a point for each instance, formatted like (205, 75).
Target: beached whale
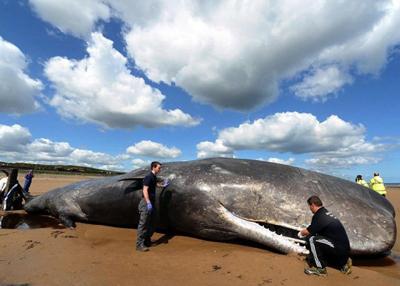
(224, 199)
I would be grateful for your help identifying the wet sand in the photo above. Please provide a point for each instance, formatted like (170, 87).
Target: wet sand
(102, 255)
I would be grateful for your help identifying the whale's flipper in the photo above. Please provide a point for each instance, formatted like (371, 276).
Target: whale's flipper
(67, 221)
(69, 213)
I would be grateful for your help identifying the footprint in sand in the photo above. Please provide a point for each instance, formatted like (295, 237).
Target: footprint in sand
(56, 233)
(69, 236)
(30, 244)
(216, 267)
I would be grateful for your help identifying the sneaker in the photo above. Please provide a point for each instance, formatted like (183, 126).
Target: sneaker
(346, 269)
(315, 271)
(142, 248)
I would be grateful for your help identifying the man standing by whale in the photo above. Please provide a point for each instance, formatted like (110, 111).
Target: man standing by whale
(327, 241)
(145, 227)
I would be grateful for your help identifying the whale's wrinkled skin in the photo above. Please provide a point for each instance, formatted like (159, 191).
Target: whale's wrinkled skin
(224, 199)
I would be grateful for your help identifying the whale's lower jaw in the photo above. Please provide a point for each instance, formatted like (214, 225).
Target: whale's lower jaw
(252, 231)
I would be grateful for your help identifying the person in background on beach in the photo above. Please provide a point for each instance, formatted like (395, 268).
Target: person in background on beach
(361, 181)
(13, 194)
(377, 185)
(3, 183)
(28, 181)
(146, 207)
(327, 241)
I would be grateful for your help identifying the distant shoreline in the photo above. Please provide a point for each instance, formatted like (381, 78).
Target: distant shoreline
(393, 185)
(57, 169)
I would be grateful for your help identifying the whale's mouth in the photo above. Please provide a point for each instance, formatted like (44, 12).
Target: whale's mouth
(280, 236)
(287, 232)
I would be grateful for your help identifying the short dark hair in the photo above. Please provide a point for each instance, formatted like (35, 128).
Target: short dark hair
(314, 200)
(154, 164)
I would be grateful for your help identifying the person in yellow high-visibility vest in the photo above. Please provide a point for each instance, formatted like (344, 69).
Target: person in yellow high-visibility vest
(377, 185)
(361, 181)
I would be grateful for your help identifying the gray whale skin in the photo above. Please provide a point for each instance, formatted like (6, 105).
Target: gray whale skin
(223, 199)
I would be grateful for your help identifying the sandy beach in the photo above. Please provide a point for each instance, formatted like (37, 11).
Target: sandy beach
(102, 255)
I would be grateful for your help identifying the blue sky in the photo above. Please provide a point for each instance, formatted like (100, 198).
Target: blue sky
(117, 84)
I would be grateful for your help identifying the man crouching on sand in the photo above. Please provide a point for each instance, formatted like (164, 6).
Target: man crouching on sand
(327, 241)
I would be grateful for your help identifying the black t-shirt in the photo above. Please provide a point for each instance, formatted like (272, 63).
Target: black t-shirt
(325, 224)
(151, 181)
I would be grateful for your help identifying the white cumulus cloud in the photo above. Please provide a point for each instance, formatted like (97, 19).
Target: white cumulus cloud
(140, 163)
(91, 158)
(289, 161)
(207, 149)
(77, 17)
(18, 92)
(293, 132)
(153, 149)
(296, 133)
(46, 150)
(100, 89)
(321, 83)
(13, 138)
(235, 54)
(223, 56)
(323, 161)
(17, 145)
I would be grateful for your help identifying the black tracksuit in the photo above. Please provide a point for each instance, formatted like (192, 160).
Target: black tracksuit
(328, 241)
